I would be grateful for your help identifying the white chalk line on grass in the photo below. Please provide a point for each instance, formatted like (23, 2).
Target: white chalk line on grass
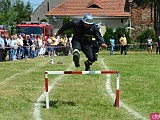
(111, 93)
(20, 73)
(37, 105)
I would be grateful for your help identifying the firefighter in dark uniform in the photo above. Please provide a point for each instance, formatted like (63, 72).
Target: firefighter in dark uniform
(84, 31)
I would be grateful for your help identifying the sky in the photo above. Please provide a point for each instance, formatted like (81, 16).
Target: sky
(34, 3)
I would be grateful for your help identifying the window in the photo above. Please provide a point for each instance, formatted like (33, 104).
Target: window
(93, 6)
(121, 20)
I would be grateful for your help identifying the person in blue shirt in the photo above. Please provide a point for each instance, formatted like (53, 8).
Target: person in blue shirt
(112, 43)
(1, 48)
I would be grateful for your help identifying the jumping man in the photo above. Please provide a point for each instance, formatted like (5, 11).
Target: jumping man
(84, 31)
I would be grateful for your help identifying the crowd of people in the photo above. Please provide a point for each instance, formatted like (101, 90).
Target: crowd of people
(22, 46)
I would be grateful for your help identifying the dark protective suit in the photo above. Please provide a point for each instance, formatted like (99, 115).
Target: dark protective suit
(82, 39)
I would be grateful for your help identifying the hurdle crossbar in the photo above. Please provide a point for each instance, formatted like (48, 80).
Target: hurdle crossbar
(116, 104)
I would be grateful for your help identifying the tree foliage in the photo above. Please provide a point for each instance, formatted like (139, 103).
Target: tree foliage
(142, 38)
(14, 12)
(67, 32)
(117, 34)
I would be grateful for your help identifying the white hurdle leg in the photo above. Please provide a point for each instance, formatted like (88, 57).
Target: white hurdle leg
(47, 100)
(117, 91)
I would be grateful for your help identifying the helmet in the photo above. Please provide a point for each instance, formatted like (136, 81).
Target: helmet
(88, 19)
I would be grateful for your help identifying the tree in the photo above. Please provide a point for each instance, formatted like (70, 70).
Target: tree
(23, 11)
(14, 11)
(67, 32)
(28, 11)
(5, 6)
(108, 34)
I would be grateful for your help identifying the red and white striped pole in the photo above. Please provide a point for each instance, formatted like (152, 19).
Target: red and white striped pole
(117, 91)
(83, 72)
(46, 89)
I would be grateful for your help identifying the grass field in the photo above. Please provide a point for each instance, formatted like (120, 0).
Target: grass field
(80, 97)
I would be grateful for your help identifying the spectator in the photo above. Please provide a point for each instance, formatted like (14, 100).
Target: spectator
(40, 46)
(15, 47)
(65, 40)
(1, 48)
(158, 45)
(10, 44)
(33, 48)
(61, 40)
(20, 51)
(26, 45)
(55, 43)
(112, 43)
(123, 42)
(70, 44)
(51, 51)
(5, 46)
(31, 37)
(149, 44)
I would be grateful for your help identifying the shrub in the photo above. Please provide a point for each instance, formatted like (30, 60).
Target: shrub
(142, 38)
(117, 34)
(67, 32)
(108, 34)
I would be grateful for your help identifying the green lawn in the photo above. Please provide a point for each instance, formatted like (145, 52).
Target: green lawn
(80, 97)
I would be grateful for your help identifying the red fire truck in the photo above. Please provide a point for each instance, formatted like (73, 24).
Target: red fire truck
(37, 28)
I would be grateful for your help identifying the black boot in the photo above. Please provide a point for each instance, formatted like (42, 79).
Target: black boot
(87, 66)
(76, 57)
(96, 56)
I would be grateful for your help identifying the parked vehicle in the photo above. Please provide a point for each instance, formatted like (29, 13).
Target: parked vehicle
(38, 28)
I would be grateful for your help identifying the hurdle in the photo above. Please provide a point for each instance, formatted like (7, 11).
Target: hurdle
(116, 104)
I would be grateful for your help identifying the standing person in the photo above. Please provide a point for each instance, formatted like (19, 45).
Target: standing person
(158, 45)
(26, 44)
(10, 44)
(51, 42)
(20, 51)
(1, 48)
(112, 43)
(123, 42)
(5, 47)
(41, 46)
(15, 47)
(55, 43)
(37, 46)
(70, 44)
(149, 44)
(84, 29)
(65, 40)
(33, 48)
(50, 46)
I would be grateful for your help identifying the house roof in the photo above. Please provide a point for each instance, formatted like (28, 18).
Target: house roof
(110, 8)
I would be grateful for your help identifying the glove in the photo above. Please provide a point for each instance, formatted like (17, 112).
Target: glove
(104, 46)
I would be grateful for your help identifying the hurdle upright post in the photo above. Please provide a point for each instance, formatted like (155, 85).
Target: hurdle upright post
(117, 91)
(46, 89)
